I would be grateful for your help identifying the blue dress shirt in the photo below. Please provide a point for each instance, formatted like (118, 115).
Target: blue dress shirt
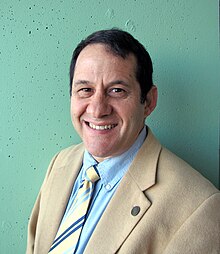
(111, 172)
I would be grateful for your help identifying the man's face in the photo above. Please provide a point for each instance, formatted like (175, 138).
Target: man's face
(105, 103)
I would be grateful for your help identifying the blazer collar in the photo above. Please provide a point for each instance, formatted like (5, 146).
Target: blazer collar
(144, 167)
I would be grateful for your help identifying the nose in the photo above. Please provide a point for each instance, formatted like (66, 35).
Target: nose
(99, 106)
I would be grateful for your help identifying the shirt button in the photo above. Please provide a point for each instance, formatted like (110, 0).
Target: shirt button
(108, 186)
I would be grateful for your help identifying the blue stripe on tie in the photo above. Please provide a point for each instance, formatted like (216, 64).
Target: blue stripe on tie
(71, 232)
(59, 240)
(85, 195)
(96, 170)
(81, 184)
(80, 200)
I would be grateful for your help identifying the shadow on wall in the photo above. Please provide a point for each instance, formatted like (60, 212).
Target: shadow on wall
(183, 118)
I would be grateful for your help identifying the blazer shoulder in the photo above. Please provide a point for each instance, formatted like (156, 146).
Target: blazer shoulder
(67, 155)
(180, 174)
(76, 148)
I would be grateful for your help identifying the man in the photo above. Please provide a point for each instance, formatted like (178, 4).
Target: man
(144, 199)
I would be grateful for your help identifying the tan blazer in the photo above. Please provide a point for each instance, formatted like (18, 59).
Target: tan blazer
(179, 209)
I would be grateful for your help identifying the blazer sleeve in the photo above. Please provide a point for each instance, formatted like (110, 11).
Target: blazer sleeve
(33, 223)
(200, 233)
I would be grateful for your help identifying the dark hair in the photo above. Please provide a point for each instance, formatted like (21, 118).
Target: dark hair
(120, 43)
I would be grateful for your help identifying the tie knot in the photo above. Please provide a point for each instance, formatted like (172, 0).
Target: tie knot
(92, 174)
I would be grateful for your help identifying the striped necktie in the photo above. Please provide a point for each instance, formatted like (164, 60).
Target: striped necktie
(69, 232)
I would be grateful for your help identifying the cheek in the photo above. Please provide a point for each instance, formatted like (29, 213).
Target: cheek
(131, 113)
(72, 110)
(137, 117)
(76, 108)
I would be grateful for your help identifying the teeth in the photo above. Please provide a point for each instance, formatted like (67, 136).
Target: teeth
(101, 127)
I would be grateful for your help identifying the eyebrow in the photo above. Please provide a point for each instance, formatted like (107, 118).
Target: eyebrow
(81, 82)
(114, 82)
(118, 82)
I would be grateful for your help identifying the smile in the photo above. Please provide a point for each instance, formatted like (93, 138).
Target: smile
(101, 127)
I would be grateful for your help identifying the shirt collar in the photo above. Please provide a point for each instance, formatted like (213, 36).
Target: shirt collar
(113, 169)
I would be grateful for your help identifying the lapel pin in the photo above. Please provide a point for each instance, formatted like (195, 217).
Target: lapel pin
(135, 210)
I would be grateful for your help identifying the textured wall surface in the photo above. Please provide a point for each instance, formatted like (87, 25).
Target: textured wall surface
(36, 43)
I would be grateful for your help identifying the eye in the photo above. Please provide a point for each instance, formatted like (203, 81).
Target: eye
(117, 92)
(85, 92)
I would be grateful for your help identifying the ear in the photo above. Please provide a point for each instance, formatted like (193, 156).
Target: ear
(151, 100)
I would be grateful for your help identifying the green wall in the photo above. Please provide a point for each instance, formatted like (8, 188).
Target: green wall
(36, 43)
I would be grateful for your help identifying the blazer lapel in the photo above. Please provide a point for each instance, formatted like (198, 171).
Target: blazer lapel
(56, 195)
(117, 221)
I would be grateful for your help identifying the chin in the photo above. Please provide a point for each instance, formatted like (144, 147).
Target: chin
(99, 155)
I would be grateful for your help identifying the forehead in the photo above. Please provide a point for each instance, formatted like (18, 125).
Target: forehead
(101, 57)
